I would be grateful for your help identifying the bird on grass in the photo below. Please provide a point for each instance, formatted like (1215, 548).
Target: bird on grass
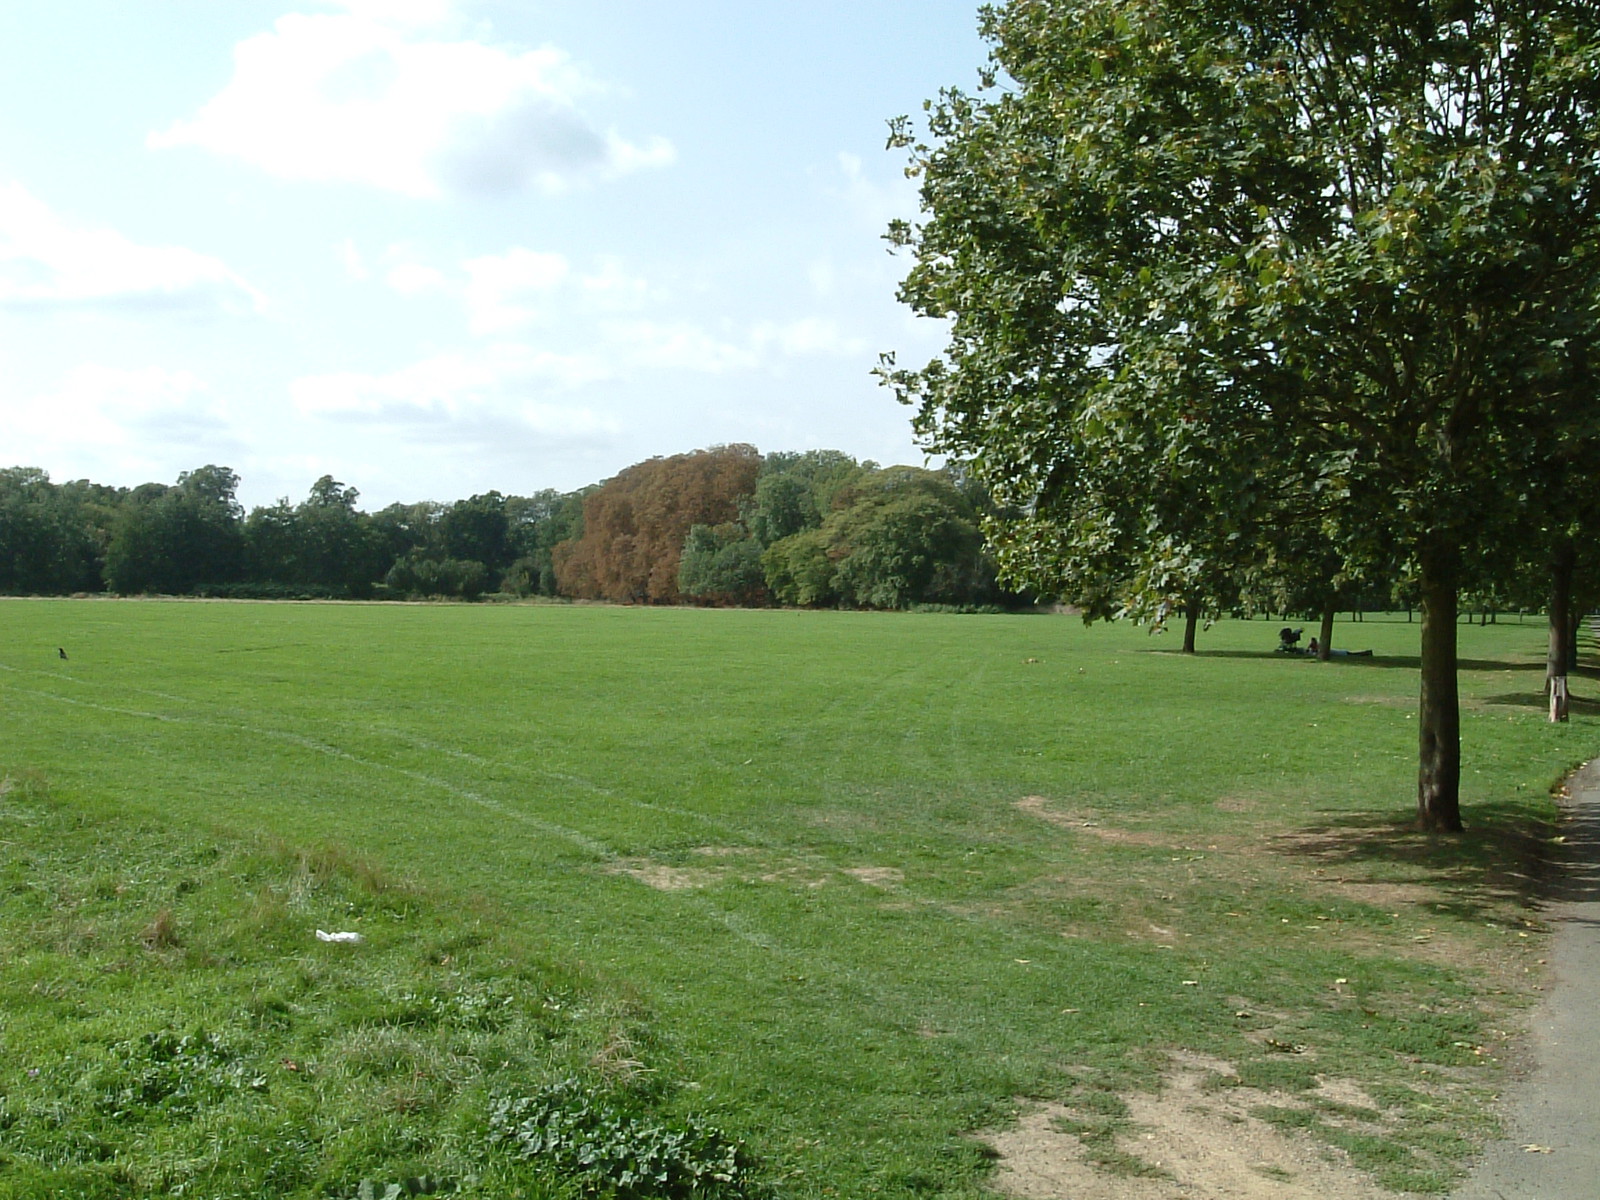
(61, 651)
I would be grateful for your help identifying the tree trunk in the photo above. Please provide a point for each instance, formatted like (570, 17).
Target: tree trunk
(1439, 713)
(1325, 634)
(1561, 631)
(1191, 620)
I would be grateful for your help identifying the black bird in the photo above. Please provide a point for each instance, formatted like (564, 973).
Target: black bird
(61, 652)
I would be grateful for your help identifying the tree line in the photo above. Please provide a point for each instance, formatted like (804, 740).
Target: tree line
(722, 526)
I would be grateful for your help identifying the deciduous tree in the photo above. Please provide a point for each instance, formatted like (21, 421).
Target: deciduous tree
(1349, 240)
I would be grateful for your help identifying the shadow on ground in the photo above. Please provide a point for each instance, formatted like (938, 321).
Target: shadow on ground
(1576, 704)
(1404, 662)
(1578, 852)
(1506, 854)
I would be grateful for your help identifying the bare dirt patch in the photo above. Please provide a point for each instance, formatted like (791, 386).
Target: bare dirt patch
(662, 877)
(1088, 822)
(1196, 1140)
(881, 877)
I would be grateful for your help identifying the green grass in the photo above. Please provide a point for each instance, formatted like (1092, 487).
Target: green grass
(777, 858)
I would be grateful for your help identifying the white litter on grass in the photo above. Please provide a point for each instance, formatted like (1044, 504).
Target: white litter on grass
(324, 936)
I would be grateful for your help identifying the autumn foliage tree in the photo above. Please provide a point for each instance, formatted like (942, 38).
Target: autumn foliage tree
(635, 524)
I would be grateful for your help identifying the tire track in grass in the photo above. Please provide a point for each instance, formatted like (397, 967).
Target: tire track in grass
(735, 921)
(402, 736)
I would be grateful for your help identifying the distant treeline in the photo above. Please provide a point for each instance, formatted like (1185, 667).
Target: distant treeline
(724, 526)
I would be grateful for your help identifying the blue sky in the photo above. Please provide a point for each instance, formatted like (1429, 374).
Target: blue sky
(434, 247)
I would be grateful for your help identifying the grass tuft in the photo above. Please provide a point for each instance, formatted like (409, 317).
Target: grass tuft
(161, 933)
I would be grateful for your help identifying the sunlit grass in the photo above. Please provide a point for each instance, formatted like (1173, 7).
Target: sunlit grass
(864, 879)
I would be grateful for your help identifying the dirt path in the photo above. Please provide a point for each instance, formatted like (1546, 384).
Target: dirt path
(1552, 1148)
(1209, 1144)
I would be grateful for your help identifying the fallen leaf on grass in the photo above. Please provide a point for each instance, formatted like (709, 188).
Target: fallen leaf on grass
(1535, 1148)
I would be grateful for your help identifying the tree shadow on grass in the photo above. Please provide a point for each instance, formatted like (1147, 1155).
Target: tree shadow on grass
(1539, 700)
(1404, 662)
(1506, 855)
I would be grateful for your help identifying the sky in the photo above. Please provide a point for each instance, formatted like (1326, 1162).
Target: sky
(438, 247)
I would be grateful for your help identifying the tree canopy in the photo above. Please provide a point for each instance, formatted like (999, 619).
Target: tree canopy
(1218, 269)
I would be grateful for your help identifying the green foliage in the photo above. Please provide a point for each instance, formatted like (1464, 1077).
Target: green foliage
(175, 540)
(722, 564)
(47, 539)
(323, 544)
(479, 530)
(796, 491)
(800, 570)
(415, 1185)
(616, 1153)
(163, 1072)
(418, 575)
(895, 538)
(1193, 304)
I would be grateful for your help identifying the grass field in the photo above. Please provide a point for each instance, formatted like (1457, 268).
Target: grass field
(848, 887)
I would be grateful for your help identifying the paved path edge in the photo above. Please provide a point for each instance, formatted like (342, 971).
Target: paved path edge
(1551, 1148)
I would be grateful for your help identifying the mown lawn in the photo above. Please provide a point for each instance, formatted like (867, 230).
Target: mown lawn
(845, 886)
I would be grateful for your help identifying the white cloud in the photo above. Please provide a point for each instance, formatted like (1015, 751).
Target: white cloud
(48, 262)
(350, 258)
(420, 13)
(500, 287)
(679, 346)
(612, 288)
(873, 204)
(365, 96)
(808, 336)
(456, 390)
(413, 279)
(501, 293)
(685, 346)
(109, 422)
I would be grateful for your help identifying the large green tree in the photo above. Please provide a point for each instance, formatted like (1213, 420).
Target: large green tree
(1343, 248)
(178, 539)
(47, 540)
(324, 542)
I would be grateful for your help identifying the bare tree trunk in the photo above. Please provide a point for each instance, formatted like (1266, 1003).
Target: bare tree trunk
(1191, 621)
(1325, 634)
(1562, 639)
(1439, 712)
